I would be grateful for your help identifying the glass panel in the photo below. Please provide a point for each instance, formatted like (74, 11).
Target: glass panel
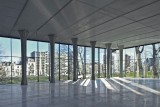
(16, 70)
(115, 61)
(5, 70)
(43, 64)
(16, 61)
(81, 65)
(96, 62)
(88, 62)
(129, 62)
(5, 60)
(102, 62)
(5, 47)
(63, 62)
(157, 60)
(70, 58)
(32, 69)
(147, 61)
(56, 62)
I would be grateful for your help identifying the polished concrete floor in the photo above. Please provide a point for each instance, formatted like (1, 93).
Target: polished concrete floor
(114, 92)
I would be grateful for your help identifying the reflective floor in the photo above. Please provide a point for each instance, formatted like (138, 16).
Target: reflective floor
(114, 92)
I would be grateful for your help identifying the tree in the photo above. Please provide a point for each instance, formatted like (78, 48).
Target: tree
(2, 71)
(81, 55)
(155, 53)
(139, 62)
(63, 63)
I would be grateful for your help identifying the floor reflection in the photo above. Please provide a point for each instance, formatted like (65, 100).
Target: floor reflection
(114, 92)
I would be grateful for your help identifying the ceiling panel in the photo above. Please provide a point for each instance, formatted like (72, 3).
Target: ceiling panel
(145, 12)
(66, 18)
(109, 26)
(142, 41)
(84, 24)
(129, 5)
(117, 32)
(141, 37)
(151, 21)
(38, 12)
(128, 34)
(128, 22)
(98, 3)
(9, 11)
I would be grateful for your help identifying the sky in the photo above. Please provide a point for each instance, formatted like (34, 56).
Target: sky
(5, 48)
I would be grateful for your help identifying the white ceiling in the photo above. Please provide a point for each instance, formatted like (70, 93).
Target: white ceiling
(120, 22)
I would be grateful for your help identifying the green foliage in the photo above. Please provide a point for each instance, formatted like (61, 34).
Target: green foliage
(17, 80)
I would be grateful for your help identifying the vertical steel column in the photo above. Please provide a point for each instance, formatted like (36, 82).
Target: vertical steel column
(23, 34)
(11, 58)
(68, 65)
(110, 62)
(84, 63)
(98, 62)
(52, 52)
(121, 59)
(108, 46)
(75, 58)
(105, 68)
(134, 66)
(93, 43)
(49, 63)
(38, 59)
(59, 63)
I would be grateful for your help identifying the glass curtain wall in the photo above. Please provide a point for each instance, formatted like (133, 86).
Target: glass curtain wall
(70, 62)
(44, 60)
(37, 61)
(5, 61)
(115, 62)
(10, 61)
(96, 62)
(63, 62)
(57, 62)
(142, 61)
(146, 63)
(88, 62)
(81, 65)
(102, 62)
(129, 65)
(157, 58)
(32, 61)
(16, 60)
(139, 62)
